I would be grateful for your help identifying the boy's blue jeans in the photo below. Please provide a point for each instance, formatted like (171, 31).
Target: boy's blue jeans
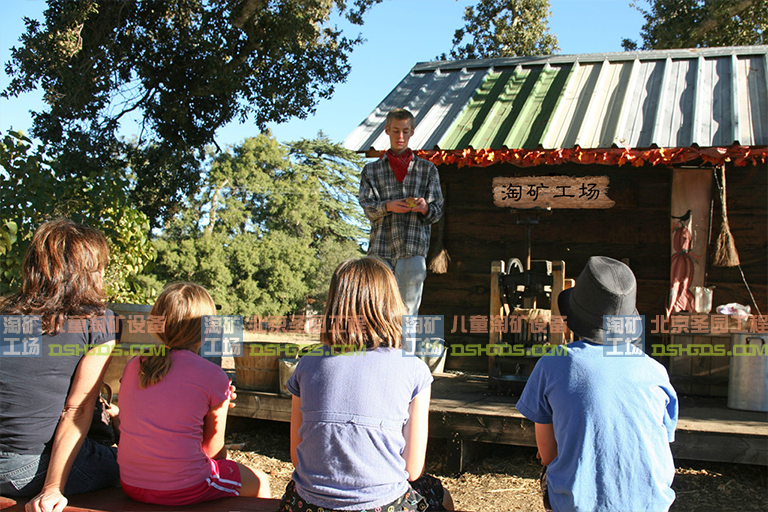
(410, 274)
(95, 467)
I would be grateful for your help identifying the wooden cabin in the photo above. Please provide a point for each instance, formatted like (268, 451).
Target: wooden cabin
(663, 127)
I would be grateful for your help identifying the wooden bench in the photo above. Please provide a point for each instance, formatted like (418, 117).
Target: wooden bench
(115, 500)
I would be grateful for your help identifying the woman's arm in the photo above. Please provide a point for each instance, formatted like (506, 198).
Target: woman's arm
(72, 428)
(214, 426)
(545, 441)
(416, 431)
(296, 420)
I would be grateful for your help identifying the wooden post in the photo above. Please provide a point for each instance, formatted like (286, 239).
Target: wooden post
(558, 285)
(569, 283)
(459, 452)
(497, 268)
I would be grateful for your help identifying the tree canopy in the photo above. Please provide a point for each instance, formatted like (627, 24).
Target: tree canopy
(269, 226)
(34, 190)
(185, 68)
(504, 28)
(701, 23)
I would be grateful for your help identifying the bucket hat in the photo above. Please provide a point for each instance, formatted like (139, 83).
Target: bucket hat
(605, 287)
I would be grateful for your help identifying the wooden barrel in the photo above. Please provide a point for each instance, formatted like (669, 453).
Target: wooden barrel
(133, 340)
(258, 369)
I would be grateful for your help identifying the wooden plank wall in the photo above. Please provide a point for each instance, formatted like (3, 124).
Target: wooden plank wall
(635, 229)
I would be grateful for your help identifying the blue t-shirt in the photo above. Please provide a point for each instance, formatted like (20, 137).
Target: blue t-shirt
(613, 417)
(353, 410)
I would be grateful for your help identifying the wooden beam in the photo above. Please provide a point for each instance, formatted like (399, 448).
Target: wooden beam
(497, 268)
(463, 409)
(718, 447)
(262, 406)
(485, 429)
(558, 285)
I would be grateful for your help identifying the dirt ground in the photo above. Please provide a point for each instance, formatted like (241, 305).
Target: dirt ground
(506, 478)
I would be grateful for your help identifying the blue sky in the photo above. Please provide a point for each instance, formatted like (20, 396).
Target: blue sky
(398, 33)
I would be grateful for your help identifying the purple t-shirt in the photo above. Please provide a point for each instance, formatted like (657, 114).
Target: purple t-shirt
(353, 410)
(161, 426)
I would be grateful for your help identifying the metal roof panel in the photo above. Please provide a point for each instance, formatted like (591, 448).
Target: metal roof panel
(668, 98)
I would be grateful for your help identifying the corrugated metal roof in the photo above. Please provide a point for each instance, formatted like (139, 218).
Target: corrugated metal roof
(668, 98)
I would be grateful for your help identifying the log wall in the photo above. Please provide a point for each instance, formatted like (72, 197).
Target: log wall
(636, 230)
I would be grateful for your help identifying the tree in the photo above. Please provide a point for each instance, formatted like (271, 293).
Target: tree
(185, 67)
(701, 23)
(32, 190)
(504, 28)
(276, 221)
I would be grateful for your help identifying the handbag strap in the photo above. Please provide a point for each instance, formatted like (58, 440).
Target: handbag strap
(106, 393)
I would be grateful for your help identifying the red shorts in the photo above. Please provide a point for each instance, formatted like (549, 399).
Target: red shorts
(224, 482)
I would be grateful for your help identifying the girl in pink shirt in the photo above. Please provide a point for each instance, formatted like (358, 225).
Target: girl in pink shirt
(173, 411)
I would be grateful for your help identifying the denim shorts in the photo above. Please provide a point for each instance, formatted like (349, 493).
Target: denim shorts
(95, 467)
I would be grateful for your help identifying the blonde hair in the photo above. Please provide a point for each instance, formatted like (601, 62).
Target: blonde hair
(398, 114)
(182, 305)
(364, 308)
(61, 274)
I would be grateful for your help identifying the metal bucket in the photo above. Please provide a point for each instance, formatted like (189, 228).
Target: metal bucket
(286, 368)
(748, 374)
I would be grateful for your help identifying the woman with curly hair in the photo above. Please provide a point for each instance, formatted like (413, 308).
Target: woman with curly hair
(47, 396)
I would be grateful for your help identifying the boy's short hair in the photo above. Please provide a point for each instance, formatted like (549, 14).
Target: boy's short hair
(398, 114)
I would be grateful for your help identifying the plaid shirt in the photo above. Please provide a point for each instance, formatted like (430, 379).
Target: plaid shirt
(400, 235)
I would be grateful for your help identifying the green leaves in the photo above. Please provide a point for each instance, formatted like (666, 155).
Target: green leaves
(8, 231)
(269, 222)
(504, 28)
(701, 23)
(184, 68)
(35, 189)
(9, 263)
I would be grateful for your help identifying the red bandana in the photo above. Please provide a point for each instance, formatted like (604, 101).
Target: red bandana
(399, 163)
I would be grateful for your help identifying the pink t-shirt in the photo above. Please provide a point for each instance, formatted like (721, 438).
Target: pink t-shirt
(161, 427)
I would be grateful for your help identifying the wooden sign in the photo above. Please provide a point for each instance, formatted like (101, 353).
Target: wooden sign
(552, 192)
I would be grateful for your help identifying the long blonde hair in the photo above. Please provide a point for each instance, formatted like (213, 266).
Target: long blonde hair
(182, 305)
(364, 308)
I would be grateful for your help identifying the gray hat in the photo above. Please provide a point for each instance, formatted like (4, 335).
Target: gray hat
(605, 287)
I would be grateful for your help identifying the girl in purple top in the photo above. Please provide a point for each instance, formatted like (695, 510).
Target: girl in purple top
(359, 420)
(173, 412)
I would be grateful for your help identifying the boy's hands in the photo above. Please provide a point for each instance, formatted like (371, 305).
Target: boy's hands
(411, 204)
(420, 205)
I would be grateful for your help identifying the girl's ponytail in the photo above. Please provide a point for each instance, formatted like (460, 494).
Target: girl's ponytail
(182, 306)
(153, 368)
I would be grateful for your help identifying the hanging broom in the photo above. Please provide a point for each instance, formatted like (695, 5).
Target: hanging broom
(725, 248)
(438, 255)
(438, 264)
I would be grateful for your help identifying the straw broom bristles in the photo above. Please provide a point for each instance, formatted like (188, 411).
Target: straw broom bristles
(725, 246)
(438, 264)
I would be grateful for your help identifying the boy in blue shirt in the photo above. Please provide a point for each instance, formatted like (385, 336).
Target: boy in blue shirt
(603, 422)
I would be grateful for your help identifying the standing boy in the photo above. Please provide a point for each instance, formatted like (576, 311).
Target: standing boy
(604, 415)
(400, 194)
